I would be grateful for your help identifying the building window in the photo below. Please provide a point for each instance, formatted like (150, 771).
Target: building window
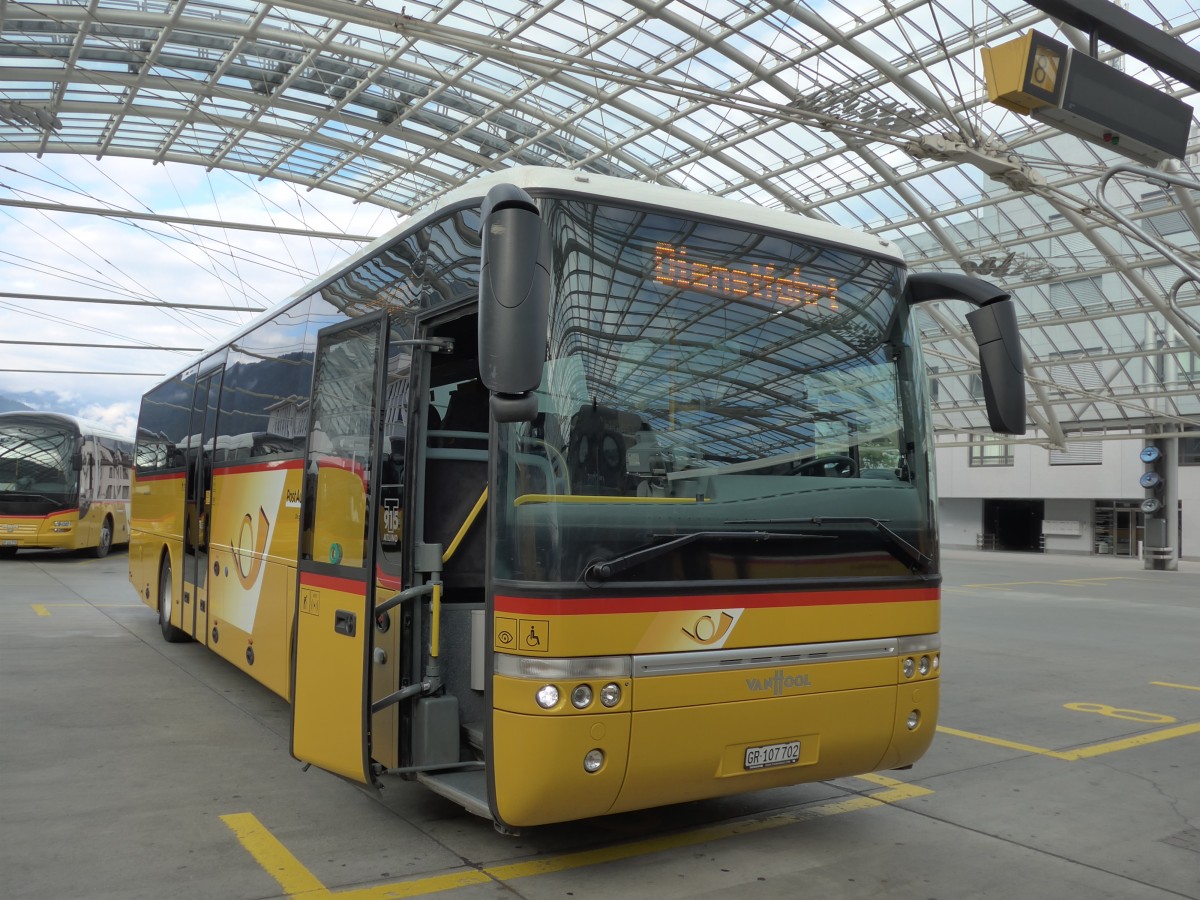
(1189, 451)
(1078, 453)
(1163, 224)
(1070, 297)
(988, 450)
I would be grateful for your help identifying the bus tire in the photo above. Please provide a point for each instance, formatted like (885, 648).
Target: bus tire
(166, 596)
(106, 538)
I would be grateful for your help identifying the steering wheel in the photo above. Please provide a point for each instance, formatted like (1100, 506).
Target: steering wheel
(834, 466)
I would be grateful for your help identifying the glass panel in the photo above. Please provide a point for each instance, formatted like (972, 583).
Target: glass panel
(37, 475)
(264, 407)
(341, 447)
(163, 425)
(397, 397)
(752, 393)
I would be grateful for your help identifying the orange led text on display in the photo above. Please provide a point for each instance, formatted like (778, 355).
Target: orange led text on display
(672, 267)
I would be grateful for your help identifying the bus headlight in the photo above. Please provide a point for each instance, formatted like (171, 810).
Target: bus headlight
(910, 666)
(914, 719)
(593, 760)
(581, 697)
(923, 665)
(547, 696)
(610, 694)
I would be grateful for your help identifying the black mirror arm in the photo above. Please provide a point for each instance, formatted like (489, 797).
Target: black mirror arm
(994, 325)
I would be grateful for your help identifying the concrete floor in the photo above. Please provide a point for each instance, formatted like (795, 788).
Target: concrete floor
(1067, 765)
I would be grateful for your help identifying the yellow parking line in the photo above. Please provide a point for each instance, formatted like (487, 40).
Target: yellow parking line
(1071, 582)
(274, 857)
(1182, 687)
(1092, 580)
(298, 882)
(43, 609)
(1153, 737)
(1001, 742)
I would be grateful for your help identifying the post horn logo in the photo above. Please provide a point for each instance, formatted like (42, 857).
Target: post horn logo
(707, 631)
(249, 549)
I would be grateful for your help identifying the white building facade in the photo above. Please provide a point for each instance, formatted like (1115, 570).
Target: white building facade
(1086, 500)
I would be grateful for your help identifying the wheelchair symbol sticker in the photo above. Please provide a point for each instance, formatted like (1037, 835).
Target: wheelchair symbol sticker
(534, 635)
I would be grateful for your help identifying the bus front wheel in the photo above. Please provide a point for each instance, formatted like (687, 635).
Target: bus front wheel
(166, 595)
(105, 543)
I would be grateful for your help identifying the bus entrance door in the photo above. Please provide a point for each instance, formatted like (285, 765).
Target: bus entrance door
(199, 500)
(333, 627)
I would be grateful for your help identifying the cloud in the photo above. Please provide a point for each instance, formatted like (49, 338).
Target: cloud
(118, 417)
(86, 256)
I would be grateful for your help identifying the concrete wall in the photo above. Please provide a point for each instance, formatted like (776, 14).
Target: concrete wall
(1069, 492)
(1060, 518)
(960, 520)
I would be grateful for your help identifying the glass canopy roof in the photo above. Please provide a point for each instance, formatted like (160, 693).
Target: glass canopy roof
(872, 115)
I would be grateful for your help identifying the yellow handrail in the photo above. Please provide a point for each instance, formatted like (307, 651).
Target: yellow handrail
(597, 498)
(436, 617)
(466, 525)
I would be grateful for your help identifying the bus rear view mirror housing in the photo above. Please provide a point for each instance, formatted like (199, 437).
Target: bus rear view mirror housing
(514, 301)
(994, 325)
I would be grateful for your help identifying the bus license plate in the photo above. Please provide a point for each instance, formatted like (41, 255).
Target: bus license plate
(772, 755)
(8, 543)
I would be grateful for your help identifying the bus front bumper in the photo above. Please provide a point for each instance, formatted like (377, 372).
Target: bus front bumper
(654, 757)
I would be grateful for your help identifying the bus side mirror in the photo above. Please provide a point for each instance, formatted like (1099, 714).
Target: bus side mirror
(994, 325)
(514, 301)
(77, 460)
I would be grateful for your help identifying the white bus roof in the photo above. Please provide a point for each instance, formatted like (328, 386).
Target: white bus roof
(607, 187)
(84, 426)
(603, 187)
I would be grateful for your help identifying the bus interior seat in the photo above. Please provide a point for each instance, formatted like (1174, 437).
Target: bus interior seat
(467, 408)
(595, 454)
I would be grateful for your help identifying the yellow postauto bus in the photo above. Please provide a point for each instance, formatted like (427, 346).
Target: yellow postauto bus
(573, 496)
(64, 484)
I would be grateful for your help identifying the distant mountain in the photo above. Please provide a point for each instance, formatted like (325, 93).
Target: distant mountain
(10, 404)
(42, 401)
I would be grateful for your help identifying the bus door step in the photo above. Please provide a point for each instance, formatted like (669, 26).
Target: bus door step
(473, 732)
(467, 789)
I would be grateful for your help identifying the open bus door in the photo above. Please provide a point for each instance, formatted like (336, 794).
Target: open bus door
(199, 499)
(333, 626)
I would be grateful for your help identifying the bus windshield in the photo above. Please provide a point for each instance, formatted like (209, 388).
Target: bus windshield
(717, 404)
(37, 475)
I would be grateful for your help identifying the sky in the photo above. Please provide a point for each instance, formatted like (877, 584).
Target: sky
(87, 256)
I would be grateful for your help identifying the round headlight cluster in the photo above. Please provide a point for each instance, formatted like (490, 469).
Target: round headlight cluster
(926, 664)
(582, 696)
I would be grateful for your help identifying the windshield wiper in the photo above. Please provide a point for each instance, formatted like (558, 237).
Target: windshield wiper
(911, 554)
(32, 495)
(604, 569)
